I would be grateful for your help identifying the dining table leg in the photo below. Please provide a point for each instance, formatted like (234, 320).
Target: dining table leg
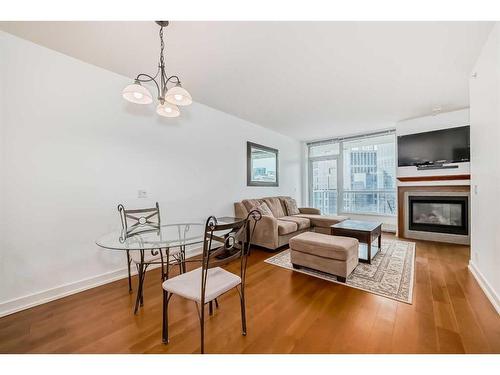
(162, 266)
(183, 255)
(140, 276)
(168, 264)
(142, 288)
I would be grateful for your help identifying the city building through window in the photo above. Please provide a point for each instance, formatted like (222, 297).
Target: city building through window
(354, 174)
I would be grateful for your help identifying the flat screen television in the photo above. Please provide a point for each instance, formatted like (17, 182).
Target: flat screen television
(437, 147)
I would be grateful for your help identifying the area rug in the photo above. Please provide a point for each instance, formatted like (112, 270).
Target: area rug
(390, 274)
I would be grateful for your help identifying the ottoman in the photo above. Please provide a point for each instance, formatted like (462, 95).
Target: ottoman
(336, 255)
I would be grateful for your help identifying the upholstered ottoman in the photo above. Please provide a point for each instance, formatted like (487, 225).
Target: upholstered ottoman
(336, 255)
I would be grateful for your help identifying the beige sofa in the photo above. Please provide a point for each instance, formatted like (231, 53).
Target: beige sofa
(275, 231)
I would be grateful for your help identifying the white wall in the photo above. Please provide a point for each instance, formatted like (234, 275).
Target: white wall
(73, 149)
(485, 168)
(439, 121)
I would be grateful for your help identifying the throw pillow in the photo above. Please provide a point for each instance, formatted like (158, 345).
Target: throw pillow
(265, 210)
(250, 203)
(291, 206)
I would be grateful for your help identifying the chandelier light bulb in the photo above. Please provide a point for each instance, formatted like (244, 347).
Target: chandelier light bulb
(138, 94)
(179, 96)
(167, 110)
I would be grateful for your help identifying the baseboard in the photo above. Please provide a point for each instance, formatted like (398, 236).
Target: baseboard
(389, 228)
(485, 286)
(31, 300)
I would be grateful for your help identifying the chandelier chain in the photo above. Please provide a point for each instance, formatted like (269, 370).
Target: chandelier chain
(163, 79)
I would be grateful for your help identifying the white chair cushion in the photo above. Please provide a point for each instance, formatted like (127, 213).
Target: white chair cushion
(188, 285)
(149, 258)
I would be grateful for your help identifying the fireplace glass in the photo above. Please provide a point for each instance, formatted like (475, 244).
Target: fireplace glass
(439, 214)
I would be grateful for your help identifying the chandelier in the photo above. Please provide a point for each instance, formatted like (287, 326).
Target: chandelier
(169, 98)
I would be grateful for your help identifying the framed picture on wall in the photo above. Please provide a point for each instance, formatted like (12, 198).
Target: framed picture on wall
(262, 165)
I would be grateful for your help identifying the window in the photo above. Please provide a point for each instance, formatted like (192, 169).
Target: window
(369, 175)
(323, 176)
(354, 175)
(324, 192)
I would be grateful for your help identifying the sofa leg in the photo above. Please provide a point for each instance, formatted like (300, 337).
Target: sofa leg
(296, 266)
(341, 279)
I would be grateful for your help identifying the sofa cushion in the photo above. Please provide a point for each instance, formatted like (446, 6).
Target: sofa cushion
(322, 220)
(275, 205)
(302, 222)
(326, 246)
(286, 227)
(291, 206)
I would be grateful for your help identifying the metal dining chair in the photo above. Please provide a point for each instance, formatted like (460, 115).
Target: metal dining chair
(137, 221)
(208, 282)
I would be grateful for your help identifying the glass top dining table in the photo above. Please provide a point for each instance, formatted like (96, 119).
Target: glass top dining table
(169, 236)
(176, 236)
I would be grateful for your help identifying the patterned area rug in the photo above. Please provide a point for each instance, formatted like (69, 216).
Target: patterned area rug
(390, 274)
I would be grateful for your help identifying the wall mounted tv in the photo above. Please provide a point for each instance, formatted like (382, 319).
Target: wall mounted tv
(434, 148)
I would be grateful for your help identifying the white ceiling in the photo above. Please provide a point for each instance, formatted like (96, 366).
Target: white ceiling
(309, 80)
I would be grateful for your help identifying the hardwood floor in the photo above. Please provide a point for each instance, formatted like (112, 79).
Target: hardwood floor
(288, 312)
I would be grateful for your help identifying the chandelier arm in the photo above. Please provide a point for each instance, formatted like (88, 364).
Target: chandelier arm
(148, 80)
(177, 80)
(157, 72)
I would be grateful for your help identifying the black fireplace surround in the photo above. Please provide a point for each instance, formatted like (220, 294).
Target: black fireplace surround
(440, 214)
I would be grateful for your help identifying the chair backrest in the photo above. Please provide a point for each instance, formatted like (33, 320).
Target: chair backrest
(139, 220)
(235, 240)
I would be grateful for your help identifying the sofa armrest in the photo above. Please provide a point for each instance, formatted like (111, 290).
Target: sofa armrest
(266, 232)
(310, 210)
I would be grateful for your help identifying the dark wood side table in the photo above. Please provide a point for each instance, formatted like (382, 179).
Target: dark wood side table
(365, 231)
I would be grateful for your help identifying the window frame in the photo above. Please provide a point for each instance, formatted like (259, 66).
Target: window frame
(250, 182)
(310, 175)
(340, 171)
